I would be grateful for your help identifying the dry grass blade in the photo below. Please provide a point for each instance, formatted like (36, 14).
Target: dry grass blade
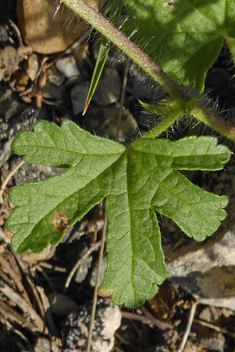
(12, 315)
(16, 278)
(26, 308)
(46, 306)
(8, 178)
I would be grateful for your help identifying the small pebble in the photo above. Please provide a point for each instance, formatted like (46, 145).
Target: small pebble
(78, 96)
(31, 66)
(109, 87)
(61, 305)
(43, 344)
(50, 91)
(107, 321)
(67, 65)
(55, 76)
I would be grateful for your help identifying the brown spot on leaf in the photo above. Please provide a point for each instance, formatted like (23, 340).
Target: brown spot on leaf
(60, 221)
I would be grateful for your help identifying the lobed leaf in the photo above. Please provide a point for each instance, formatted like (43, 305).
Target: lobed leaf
(135, 182)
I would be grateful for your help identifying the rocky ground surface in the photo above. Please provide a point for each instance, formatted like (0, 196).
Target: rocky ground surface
(45, 299)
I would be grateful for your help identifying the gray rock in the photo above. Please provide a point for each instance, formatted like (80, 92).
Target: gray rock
(50, 91)
(78, 96)
(55, 76)
(212, 340)
(107, 321)
(32, 172)
(206, 315)
(108, 88)
(9, 129)
(68, 66)
(8, 105)
(208, 272)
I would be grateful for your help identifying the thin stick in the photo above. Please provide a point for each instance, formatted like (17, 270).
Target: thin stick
(17, 31)
(37, 266)
(72, 272)
(189, 325)
(214, 327)
(47, 311)
(11, 174)
(160, 324)
(93, 309)
(145, 320)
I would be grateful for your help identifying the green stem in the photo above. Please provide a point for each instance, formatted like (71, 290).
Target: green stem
(213, 121)
(138, 56)
(163, 125)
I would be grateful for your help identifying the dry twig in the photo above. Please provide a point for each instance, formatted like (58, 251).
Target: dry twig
(189, 325)
(146, 320)
(8, 178)
(214, 327)
(160, 324)
(93, 309)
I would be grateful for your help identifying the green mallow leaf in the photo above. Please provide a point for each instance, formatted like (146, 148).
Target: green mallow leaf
(135, 182)
(183, 36)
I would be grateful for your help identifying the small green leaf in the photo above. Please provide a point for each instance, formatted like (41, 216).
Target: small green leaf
(185, 39)
(135, 182)
(160, 109)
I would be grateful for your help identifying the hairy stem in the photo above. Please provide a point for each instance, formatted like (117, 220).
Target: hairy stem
(212, 120)
(150, 67)
(163, 125)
